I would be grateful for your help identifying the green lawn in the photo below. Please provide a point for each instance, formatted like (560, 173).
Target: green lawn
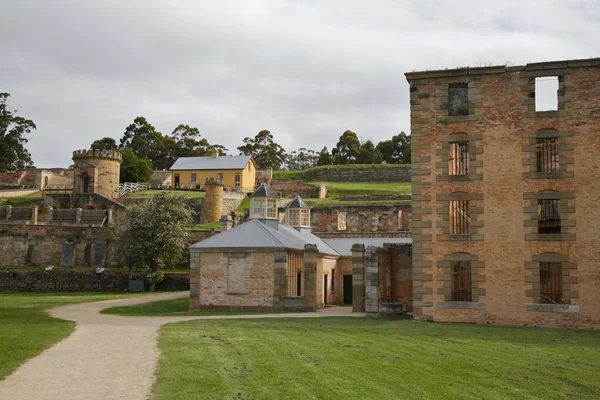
(348, 358)
(361, 193)
(178, 307)
(22, 201)
(26, 329)
(188, 194)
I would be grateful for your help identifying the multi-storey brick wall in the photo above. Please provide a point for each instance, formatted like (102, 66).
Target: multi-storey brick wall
(372, 218)
(503, 185)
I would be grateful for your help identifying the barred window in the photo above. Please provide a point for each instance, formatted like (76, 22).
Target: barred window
(459, 220)
(461, 281)
(458, 158)
(458, 99)
(547, 154)
(551, 291)
(293, 276)
(549, 216)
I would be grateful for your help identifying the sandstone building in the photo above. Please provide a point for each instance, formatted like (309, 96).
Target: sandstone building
(505, 194)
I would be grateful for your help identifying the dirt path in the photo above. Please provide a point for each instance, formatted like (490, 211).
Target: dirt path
(108, 356)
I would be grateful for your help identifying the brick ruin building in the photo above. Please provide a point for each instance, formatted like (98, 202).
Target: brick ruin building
(505, 194)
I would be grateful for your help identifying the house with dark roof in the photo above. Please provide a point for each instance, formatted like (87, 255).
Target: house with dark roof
(231, 171)
(268, 264)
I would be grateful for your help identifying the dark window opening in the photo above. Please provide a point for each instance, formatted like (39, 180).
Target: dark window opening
(333, 280)
(551, 290)
(546, 93)
(461, 281)
(547, 154)
(549, 216)
(459, 217)
(458, 158)
(458, 99)
(85, 183)
(299, 284)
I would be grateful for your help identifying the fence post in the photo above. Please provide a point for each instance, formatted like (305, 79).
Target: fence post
(50, 211)
(34, 215)
(8, 212)
(109, 216)
(78, 213)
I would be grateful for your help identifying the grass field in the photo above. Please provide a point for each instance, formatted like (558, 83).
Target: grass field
(359, 193)
(188, 194)
(22, 201)
(26, 329)
(177, 307)
(347, 358)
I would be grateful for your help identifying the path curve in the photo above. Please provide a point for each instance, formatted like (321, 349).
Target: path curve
(107, 356)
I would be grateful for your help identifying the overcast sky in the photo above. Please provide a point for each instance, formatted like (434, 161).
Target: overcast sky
(306, 70)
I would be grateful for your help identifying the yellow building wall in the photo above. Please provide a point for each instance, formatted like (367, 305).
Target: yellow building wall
(247, 176)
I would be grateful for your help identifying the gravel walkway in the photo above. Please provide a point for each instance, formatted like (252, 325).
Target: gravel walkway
(108, 356)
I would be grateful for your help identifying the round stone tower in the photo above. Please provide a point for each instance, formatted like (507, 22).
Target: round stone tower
(97, 172)
(213, 200)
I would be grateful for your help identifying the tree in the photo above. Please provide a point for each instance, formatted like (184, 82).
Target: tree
(265, 151)
(396, 150)
(154, 233)
(146, 141)
(324, 157)
(301, 159)
(13, 130)
(134, 168)
(347, 149)
(368, 154)
(106, 143)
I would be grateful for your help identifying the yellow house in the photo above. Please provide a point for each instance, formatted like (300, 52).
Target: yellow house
(232, 171)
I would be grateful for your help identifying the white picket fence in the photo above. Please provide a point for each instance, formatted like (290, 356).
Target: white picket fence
(132, 187)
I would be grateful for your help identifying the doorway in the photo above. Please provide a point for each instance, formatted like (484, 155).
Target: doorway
(348, 289)
(176, 183)
(325, 289)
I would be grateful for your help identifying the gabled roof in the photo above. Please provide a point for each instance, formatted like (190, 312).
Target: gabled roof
(207, 163)
(265, 190)
(256, 235)
(297, 202)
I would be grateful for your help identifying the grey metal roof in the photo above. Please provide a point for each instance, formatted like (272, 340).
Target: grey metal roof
(344, 245)
(297, 202)
(265, 190)
(256, 235)
(221, 162)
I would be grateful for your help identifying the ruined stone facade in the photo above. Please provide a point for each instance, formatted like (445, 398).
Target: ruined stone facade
(370, 218)
(505, 196)
(96, 172)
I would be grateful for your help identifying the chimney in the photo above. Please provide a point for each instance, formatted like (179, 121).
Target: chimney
(214, 154)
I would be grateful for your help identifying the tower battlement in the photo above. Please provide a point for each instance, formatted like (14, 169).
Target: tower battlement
(105, 154)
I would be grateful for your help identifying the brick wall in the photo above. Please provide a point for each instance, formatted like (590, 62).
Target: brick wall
(372, 218)
(80, 280)
(505, 253)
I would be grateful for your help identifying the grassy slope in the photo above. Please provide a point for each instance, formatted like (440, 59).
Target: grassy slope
(338, 190)
(26, 329)
(151, 193)
(22, 201)
(307, 174)
(177, 307)
(347, 358)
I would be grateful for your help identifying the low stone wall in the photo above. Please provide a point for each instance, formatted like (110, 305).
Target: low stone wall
(291, 188)
(231, 201)
(80, 280)
(367, 173)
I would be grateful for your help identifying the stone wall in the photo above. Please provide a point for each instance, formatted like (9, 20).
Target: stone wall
(51, 245)
(290, 188)
(80, 280)
(17, 192)
(371, 218)
(504, 249)
(231, 201)
(367, 173)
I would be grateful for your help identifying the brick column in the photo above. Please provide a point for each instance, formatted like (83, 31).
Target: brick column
(279, 279)
(109, 217)
(226, 223)
(310, 277)
(49, 214)
(78, 212)
(371, 279)
(358, 278)
(34, 215)
(8, 212)
(194, 280)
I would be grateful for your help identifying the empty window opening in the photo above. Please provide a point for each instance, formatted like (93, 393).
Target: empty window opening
(458, 159)
(546, 93)
(551, 290)
(458, 99)
(461, 281)
(547, 154)
(459, 217)
(549, 216)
